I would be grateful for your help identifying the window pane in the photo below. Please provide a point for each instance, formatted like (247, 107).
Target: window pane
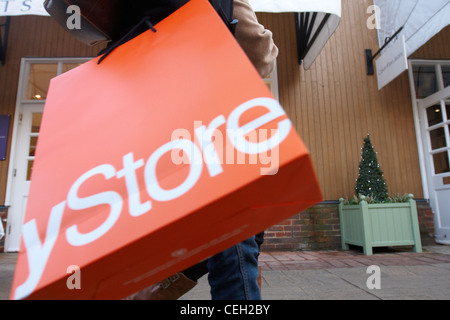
(70, 66)
(36, 122)
(437, 138)
(29, 169)
(446, 75)
(33, 144)
(434, 115)
(425, 81)
(441, 162)
(39, 80)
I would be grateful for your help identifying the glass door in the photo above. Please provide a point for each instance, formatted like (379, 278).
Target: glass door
(436, 114)
(430, 85)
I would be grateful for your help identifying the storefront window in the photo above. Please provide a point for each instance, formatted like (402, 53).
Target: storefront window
(441, 162)
(428, 79)
(70, 66)
(437, 138)
(425, 81)
(36, 119)
(434, 115)
(29, 169)
(35, 127)
(36, 122)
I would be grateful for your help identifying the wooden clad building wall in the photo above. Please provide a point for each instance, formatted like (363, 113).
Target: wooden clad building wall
(437, 48)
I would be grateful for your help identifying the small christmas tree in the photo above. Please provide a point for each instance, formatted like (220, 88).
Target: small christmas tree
(370, 180)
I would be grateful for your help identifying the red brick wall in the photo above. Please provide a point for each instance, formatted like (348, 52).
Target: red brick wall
(426, 223)
(318, 228)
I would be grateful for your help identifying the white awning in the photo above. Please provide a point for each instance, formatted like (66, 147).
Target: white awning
(316, 21)
(421, 20)
(327, 6)
(21, 7)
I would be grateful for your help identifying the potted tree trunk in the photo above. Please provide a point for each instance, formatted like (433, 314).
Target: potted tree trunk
(373, 219)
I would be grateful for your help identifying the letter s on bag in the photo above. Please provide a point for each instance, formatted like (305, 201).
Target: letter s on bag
(112, 198)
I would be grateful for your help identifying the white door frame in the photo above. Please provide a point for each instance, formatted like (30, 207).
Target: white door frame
(20, 182)
(22, 104)
(426, 167)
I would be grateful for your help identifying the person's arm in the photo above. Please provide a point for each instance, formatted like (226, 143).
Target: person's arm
(255, 40)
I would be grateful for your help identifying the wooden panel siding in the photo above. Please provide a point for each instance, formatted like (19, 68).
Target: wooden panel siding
(334, 105)
(437, 48)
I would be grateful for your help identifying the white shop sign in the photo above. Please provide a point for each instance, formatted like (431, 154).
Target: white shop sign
(392, 62)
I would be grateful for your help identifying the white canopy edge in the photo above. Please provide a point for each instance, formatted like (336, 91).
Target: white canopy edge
(422, 19)
(326, 6)
(323, 7)
(321, 40)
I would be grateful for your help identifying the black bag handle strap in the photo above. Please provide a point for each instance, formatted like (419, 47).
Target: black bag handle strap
(224, 8)
(127, 37)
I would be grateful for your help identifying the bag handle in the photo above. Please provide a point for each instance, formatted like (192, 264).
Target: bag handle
(127, 37)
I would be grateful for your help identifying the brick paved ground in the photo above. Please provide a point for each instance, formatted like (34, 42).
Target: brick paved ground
(342, 275)
(306, 260)
(317, 275)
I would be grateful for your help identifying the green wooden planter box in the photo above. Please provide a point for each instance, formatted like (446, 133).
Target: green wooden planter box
(379, 225)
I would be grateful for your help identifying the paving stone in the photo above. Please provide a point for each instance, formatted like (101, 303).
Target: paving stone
(331, 274)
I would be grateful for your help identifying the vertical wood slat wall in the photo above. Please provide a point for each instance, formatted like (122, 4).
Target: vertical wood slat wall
(334, 105)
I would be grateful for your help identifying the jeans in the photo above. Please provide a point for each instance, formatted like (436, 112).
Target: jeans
(233, 273)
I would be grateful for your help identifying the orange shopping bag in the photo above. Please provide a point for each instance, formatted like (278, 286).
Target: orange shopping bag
(169, 151)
